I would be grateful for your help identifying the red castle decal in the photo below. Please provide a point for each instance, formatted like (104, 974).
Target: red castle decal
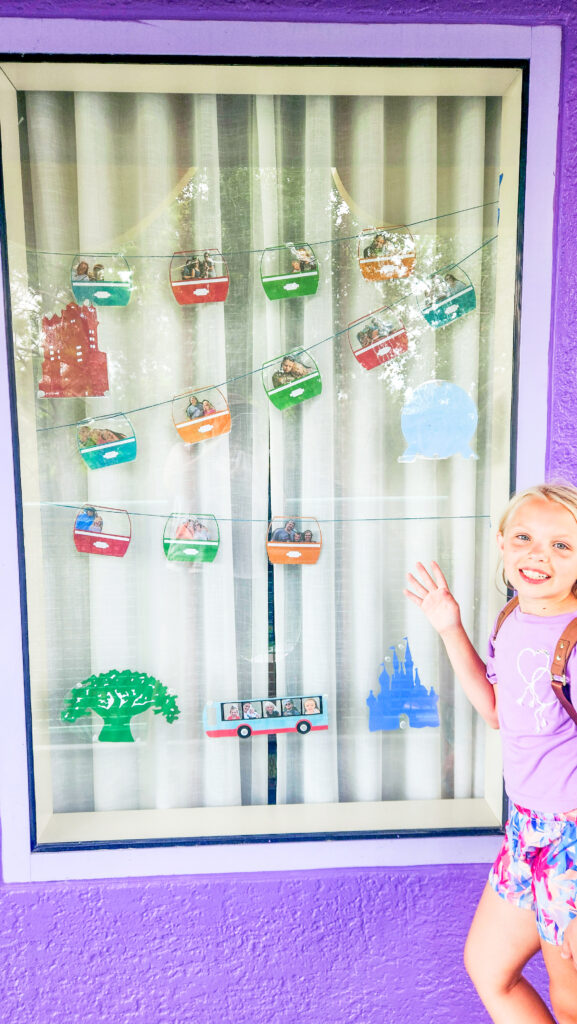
(73, 366)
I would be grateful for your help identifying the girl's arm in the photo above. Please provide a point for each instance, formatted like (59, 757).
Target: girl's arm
(431, 593)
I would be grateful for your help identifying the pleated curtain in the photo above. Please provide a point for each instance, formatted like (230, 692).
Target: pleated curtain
(149, 175)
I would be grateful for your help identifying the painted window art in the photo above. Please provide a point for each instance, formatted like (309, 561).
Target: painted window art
(117, 697)
(73, 365)
(104, 279)
(294, 540)
(191, 538)
(106, 441)
(378, 337)
(201, 413)
(289, 271)
(291, 378)
(402, 701)
(438, 421)
(447, 296)
(199, 276)
(266, 717)
(102, 531)
(386, 253)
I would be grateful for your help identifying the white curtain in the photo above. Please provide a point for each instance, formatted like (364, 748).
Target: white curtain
(149, 175)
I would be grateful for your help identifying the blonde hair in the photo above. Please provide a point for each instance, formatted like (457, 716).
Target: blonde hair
(562, 494)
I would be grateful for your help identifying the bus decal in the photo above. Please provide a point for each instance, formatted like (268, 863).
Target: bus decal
(267, 715)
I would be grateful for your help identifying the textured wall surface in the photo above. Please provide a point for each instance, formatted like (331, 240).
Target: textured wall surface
(370, 947)
(508, 12)
(358, 947)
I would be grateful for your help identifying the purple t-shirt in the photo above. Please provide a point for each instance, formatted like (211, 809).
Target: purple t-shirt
(538, 737)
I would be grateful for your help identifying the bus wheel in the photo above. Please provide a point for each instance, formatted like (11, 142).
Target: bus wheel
(243, 731)
(403, 721)
(304, 727)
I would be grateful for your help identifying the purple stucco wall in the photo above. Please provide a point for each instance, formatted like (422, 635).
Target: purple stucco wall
(379, 946)
(356, 947)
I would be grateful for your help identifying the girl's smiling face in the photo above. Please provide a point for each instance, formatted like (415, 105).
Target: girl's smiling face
(539, 549)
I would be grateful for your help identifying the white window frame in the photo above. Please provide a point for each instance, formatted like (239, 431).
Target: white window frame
(542, 47)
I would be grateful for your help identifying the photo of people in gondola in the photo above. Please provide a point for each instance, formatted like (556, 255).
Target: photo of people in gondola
(201, 267)
(288, 534)
(373, 330)
(302, 259)
(91, 437)
(374, 248)
(198, 407)
(84, 272)
(387, 244)
(103, 280)
(89, 520)
(192, 529)
(291, 368)
(386, 253)
(441, 287)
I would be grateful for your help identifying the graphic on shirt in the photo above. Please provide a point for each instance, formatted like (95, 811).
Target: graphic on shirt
(532, 666)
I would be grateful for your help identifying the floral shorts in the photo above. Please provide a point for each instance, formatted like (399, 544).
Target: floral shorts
(536, 868)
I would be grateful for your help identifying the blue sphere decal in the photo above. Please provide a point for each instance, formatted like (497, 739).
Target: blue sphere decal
(438, 420)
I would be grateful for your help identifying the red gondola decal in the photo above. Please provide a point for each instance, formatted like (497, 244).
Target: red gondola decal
(377, 338)
(102, 531)
(199, 276)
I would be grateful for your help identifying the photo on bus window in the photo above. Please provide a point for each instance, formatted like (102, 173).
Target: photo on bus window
(266, 715)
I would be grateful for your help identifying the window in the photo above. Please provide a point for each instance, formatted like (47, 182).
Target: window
(321, 260)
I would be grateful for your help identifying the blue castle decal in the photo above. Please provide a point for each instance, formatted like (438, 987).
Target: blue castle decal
(403, 700)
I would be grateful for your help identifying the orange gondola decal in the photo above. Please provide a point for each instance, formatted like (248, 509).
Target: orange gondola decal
(293, 540)
(201, 413)
(386, 253)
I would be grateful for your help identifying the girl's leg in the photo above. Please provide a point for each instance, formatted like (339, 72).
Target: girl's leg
(562, 983)
(502, 939)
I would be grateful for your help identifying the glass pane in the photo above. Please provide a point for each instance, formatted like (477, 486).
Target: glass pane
(250, 645)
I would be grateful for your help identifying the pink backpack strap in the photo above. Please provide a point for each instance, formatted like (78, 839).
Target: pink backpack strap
(559, 681)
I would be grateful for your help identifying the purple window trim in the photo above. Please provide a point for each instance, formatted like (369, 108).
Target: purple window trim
(208, 38)
(261, 39)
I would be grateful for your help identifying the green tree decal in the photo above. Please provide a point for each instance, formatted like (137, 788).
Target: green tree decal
(117, 697)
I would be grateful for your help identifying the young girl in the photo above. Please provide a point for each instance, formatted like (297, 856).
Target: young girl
(536, 869)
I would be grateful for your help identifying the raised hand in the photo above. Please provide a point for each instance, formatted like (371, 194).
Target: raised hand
(430, 592)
